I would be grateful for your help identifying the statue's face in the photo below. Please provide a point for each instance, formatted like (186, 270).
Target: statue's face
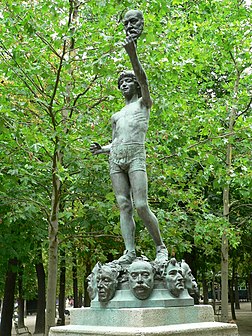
(133, 23)
(174, 279)
(190, 282)
(189, 279)
(141, 279)
(106, 284)
(92, 287)
(92, 284)
(128, 86)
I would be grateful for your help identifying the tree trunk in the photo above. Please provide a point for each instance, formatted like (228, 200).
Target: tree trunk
(75, 282)
(213, 292)
(57, 162)
(232, 297)
(53, 245)
(8, 302)
(52, 274)
(237, 300)
(224, 243)
(250, 289)
(20, 298)
(226, 205)
(224, 278)
(21, 312)
(86, 295)
(40, 318)
(62, 288)
(205, 290)
(80, 295)
(85, 285)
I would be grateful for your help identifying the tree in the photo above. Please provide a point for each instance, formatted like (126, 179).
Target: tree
(50, 100)
(8, 304)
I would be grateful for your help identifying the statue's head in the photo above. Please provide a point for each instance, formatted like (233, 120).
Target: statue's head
(133, 22)
(141, 279)
(106, 282)
(130, 79)
(190, 282)
(174, 278)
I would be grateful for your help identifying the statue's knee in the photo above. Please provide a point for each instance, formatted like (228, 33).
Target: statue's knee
(125, 204)
(142, 208)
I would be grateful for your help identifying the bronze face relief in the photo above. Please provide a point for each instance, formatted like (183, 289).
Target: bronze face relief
(141, 279)
(106, 283)
(133, 23)
(174, 278)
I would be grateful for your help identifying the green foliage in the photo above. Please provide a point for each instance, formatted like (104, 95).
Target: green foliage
(192, 52)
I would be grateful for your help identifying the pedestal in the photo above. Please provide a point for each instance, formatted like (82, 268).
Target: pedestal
(182, 321)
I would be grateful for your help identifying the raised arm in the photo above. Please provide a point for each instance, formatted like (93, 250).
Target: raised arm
(130, 47)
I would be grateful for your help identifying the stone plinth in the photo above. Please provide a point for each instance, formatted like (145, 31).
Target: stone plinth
(169, 321)
(141, 317)
(192, 329)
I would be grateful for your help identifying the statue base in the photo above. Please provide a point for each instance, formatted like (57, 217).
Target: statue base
(168, 309)
(173, 321)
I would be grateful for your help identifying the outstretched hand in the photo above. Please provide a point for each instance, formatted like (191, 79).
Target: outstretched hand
(96, 148)
(130, 44)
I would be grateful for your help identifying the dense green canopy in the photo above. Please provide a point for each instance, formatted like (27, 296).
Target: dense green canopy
(60, 61)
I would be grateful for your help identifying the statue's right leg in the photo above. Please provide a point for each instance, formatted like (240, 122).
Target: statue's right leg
(121, 186)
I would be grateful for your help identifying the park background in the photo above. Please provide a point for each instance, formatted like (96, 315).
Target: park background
(60, 61)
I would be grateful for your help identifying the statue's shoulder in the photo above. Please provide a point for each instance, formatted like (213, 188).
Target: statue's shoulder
(115, 116)
(143, 105)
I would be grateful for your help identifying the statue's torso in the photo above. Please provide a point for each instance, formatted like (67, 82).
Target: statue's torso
(130, 124)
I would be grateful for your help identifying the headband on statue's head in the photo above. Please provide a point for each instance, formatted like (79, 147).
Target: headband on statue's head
(129, 74)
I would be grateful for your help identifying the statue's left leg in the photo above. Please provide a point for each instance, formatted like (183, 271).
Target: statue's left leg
(139, 185)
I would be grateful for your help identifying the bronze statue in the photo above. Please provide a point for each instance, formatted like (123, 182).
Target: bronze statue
(127, 151)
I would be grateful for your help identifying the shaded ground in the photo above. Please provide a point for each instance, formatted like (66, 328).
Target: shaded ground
(243, 320)
(30, 323)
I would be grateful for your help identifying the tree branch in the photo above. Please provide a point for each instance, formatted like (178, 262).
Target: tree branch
(48, 44)
(246, 109)
(82, 94)
(28, 200)
(50, 108)
(239, 206)
(202, 142)
(90, 234)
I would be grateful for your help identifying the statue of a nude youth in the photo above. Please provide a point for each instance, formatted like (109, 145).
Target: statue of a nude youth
(127, 151)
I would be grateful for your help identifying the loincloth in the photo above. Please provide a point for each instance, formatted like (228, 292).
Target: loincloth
(127, 158)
